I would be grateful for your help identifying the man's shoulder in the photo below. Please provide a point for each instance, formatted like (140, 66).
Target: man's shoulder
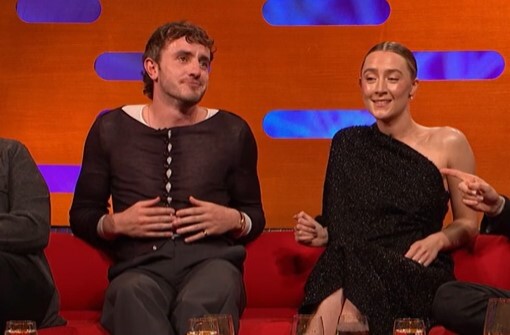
(110, 113)
(231, 119)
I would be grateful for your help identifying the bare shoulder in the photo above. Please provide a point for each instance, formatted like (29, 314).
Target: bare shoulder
(448, 137)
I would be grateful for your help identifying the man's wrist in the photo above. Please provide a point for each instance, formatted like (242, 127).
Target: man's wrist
(240, 229)
(104, 227)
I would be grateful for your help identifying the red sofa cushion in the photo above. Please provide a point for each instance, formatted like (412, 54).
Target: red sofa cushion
(79, 270)
(276, 269)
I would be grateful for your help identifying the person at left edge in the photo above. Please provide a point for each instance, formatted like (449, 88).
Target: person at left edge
(27, 290)
(185, 194)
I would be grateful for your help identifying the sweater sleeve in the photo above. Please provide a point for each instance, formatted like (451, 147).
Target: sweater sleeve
(245, 187)
(24, 202)
(92, 193)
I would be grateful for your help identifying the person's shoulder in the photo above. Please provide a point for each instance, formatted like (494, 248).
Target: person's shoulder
(228, 115)
(110, 113)
(231, 119)
(352, 132)
(448, 137)
(11, 145)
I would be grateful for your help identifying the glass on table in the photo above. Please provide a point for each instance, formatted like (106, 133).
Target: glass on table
(497, 317)
(203, 326)
(409, 326)
(307, 324)
(225, 323)
(20, 327)
(349, 324)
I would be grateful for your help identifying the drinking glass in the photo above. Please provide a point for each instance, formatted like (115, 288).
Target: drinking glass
(307, 324)
(409, 326)
(203, 326)
(225, 323)
(497, 317)
(352, 324)
(20, 327)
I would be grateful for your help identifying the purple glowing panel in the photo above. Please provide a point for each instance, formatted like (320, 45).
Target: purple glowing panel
(119, 66)
(60, 178)
(325, 12)
(312, 124)
(459, 65)
(58, 11)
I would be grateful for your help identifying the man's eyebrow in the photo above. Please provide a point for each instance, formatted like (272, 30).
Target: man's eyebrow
(183, 52)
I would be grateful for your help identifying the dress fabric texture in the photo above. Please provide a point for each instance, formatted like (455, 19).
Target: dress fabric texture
(380, 196)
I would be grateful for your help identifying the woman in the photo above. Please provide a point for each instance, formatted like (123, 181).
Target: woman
(384, 203)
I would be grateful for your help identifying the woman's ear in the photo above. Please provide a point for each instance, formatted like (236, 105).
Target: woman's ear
(414, 88)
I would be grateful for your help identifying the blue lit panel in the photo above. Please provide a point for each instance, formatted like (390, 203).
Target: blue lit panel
(60, 178)
(58, 11)
(312, 124)
(119, 65)
(325, 12)
(459, 65)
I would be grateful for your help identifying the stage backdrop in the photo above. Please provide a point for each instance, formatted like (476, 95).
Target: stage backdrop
(289, 67)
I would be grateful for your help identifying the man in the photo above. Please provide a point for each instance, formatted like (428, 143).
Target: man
(27, 290)
(461, 306)
(185, 194)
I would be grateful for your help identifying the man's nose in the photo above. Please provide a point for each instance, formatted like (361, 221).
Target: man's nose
(195, 68)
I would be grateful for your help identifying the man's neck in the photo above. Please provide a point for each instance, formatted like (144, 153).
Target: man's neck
(163, 116)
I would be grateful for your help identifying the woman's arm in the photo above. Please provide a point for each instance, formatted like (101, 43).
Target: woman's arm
(464, 226)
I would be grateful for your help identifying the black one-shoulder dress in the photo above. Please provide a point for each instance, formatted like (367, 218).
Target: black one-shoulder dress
(380, 196)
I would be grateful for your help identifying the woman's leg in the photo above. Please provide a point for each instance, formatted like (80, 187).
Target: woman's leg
(332, 307)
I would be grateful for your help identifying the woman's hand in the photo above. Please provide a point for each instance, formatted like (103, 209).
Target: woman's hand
(308, 231)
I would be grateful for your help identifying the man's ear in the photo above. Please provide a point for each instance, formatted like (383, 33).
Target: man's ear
(151, 68)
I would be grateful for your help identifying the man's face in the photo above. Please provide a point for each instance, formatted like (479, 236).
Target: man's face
(183, 72)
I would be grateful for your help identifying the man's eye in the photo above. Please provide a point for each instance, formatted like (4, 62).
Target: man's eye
(393, 79)
(204, 65)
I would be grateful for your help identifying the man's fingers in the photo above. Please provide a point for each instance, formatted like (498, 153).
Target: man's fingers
(456, 173)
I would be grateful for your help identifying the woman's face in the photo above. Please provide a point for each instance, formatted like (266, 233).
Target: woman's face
(386, 85)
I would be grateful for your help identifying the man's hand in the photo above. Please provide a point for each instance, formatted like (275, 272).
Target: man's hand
(143, 219)
(476, 192)
(205, 218)
(308, 231)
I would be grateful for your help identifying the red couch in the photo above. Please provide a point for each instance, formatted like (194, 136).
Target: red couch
(275, 271)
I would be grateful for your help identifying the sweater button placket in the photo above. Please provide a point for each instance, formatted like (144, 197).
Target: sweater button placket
(168, 172)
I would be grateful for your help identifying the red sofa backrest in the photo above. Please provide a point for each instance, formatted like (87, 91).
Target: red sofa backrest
(276, 269)
(79, 271)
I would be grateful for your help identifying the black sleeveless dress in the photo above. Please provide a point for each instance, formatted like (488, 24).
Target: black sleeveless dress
(380, 196)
